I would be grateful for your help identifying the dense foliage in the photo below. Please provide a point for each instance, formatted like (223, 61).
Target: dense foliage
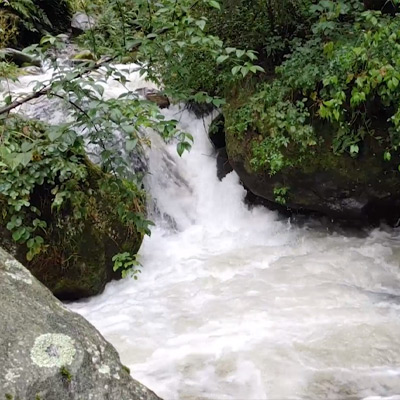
(349, 63)
(33, 155)
(320, 62)
(24, 21)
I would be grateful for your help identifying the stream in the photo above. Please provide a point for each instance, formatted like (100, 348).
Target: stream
(240, 303)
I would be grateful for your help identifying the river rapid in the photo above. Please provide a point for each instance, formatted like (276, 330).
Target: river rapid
(241, 304)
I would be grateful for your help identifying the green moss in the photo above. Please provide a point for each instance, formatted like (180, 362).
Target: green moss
(78, 262)
(126, 369)
(9, 396)
(65, 374)
(84, 55)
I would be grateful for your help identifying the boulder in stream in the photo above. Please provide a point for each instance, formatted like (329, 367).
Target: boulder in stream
(19, 58)
(77, 262)
(364, 188)
(48, 352)
(82, 233)
(82, 22)
(155, 96)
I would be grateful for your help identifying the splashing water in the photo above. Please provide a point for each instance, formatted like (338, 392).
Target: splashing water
(236, 303)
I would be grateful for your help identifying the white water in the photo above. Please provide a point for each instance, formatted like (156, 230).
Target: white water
(239, 304)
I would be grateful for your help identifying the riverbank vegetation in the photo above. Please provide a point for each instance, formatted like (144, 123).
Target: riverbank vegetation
(45, 189)
(303, 85)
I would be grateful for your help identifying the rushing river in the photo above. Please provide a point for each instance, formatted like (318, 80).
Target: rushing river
(238, 303)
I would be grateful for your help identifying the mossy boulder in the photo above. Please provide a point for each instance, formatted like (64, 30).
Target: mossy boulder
(77, 261)
(364, 188)
(85, 55)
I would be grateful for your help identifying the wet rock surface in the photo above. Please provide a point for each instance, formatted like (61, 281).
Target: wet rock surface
(81, 22)
(48, 352)
(364, 188)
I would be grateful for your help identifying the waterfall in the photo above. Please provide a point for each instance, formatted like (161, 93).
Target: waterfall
(238, 303)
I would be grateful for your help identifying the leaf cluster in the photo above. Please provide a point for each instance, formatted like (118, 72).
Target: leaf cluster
(344, 73)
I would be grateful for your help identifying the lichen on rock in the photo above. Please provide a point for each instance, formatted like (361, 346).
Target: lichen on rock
(16, 271)
(53, 350)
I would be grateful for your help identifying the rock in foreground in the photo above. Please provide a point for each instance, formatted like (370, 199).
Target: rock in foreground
(48, 352)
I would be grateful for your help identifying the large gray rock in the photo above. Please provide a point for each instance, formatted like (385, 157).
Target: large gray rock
(82, 22)
(50, 353)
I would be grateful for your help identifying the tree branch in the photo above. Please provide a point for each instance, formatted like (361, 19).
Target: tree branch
(18, 103)
(46, 89)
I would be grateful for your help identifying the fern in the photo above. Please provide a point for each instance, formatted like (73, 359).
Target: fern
(30, 15)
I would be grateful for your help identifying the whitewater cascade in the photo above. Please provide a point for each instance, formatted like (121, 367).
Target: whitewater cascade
(238, 303)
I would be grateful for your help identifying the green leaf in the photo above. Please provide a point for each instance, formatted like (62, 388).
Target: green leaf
(387, 156)
(17, 235)
(54, 133)
(236, 69)
(354, 149)
(26, 146)
(22, 158)
(131, 144)
(221, 59)
(195, 39)
(99, 89)
(251, 55)
(180, 149)
(244, 71)
(240, 53)
(201, 23)
(69, 137)
(215, 4)
(255, 68)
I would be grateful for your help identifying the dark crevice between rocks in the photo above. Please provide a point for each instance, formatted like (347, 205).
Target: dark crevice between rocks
(216, 134)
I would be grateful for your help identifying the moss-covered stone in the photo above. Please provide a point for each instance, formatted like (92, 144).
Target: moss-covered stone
(84, 55)
(78, 259)
(365, 187)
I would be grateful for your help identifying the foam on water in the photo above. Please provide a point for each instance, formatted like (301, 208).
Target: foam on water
(237, 304)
